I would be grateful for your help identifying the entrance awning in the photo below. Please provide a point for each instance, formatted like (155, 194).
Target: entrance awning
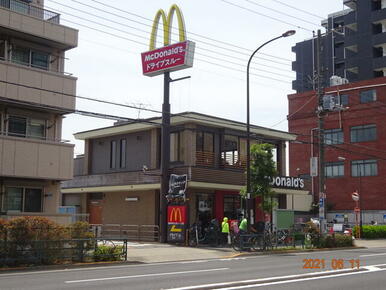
(129, 187)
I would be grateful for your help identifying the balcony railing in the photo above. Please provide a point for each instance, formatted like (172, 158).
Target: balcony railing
(204, 158)
(26, 8)
(233, 161)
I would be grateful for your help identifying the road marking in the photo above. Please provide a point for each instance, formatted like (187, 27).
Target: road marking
(372, 255)
(285, 279)
(146, 275)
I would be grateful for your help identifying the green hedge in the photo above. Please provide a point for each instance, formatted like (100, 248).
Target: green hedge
(372, 231)
(108, 253)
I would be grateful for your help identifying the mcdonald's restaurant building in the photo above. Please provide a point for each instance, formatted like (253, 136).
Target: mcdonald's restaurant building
(110, 182)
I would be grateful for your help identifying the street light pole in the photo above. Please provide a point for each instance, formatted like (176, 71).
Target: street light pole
(248, 164)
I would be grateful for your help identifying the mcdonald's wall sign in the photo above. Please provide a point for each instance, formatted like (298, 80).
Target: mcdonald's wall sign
(176, 223)
(170, 57)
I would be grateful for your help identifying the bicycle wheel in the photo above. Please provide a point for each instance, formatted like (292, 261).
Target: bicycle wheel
(257, 243)
(236, 243)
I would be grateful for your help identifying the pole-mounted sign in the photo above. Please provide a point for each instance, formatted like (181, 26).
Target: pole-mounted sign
(170, 57)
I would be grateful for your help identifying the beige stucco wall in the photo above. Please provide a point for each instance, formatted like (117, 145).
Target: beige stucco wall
(32, 158)
(63, 35)
(40, 79)
(118, 211)
(51, 197)
(300, 202)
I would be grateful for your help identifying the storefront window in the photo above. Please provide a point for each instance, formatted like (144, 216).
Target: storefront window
(232, 207)
(205, 208)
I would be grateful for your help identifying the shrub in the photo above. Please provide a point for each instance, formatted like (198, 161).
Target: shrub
(371, 231)
(107, 253)
(335, 241)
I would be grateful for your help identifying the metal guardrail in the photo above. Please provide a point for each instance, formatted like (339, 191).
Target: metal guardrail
(148, 233)
(26, 8)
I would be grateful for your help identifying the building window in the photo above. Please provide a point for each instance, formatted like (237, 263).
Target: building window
(368, 96)
(230, 150)
(175, 147)
(204, 148)
(342, 100)
(334, 169)
(122, 153)
(333, 136)
(23, 199)
(364, 168)
(232, 206)
(26, 127)
(364, 133)
(113, 154)
(28, 57)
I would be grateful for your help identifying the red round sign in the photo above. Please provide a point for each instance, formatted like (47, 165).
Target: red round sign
(355, 196)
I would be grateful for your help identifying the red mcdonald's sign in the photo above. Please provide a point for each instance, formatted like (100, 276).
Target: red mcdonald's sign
(176, 214)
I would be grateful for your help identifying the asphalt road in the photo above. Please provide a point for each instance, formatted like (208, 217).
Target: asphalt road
(284, 271)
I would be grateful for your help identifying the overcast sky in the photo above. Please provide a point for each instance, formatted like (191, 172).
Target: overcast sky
(107, 60)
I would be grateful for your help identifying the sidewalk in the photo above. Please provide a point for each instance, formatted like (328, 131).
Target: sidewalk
(156, 252)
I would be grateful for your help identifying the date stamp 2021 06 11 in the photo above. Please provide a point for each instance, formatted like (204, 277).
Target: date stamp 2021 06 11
(334, 263)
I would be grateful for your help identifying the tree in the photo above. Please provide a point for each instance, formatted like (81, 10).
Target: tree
(263, 169)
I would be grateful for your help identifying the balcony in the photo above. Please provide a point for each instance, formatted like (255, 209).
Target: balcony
(378, 15)
(37, 24)
(34, 158)
(379, 62)
(113, 179)
(379, 39)
(31, 85)
(25, 8)
(204, 158)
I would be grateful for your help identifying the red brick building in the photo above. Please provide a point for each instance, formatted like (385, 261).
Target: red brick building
(355, 147)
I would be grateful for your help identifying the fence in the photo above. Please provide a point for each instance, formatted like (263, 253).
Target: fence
(25, 8)
(54, 251)
(148, 233)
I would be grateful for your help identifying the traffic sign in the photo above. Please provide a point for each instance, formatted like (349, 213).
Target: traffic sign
(355, 196)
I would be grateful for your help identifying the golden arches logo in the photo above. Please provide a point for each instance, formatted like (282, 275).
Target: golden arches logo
(175, 215)
(167, 26)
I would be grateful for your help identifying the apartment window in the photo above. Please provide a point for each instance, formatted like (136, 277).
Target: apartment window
(343, 100)
(333, 136)
(23, 199)
(334, 169)
(2, 49)
(113, 154)
(364, 133)
(26, 56)
(122, 153)
(26, 127)
(175, 147)
(364, 168)
(368, 96)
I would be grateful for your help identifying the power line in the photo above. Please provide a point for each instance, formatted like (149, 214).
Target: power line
(140, 36)
(198, 59)
(224, 122)
(151, 20)
(283, 13)
(261, 14)
(298, 9)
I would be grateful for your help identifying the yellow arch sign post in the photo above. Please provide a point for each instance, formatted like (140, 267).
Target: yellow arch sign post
(163, 60)
(170, 57)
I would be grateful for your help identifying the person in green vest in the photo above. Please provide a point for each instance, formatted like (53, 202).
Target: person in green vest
(225, 231)
(243, 226)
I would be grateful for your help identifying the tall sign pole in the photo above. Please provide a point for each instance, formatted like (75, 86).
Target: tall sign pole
(165, 157)
(163, 60)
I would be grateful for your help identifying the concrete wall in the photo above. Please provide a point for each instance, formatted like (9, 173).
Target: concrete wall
(57, 35)
(32, 158)
(40, 79)
(118, 211)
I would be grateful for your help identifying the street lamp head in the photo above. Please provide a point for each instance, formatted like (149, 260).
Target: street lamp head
(288, 33)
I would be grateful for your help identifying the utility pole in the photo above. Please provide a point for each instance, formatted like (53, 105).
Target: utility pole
(320, 112)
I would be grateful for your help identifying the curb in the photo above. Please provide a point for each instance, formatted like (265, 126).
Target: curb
(297, 251)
